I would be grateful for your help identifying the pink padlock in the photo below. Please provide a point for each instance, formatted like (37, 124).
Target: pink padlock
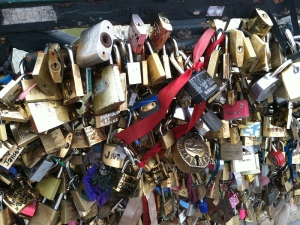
(239, 110)
(30, 209)
(242, 212)
(73, 223)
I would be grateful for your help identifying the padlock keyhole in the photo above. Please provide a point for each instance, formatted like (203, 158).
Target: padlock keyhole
(197, 159)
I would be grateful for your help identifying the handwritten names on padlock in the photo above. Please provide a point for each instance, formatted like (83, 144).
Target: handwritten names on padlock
(10, 157)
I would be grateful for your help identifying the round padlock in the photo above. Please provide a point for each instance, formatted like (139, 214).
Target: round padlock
(276, 157)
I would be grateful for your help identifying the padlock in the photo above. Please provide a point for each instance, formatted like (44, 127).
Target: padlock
(39, 170)
(231, 93)
(270, 193)
(72, 89)
(167, 139)
(53, 141)
(144, 68)
(110, 153)
(158, 172)
(233, 198)
(226, 59)
(168, 205)
(156, 72)
(277, 56)
(259, 47)
(166, 63)
(134, 75)
(55, 62)
(149, 105)
(229, 151)
(36, 95)
(242, 212)
(190, 153)
(250, 212)
(68, 211)
(30, 209)
(5, 215)
(49, 185)
(249, 55)
(78, 191)
(268, 84)
(95, 44)
(234, 134)
(137, 33)
(259, 23)
(172, 181)
(160, 31)
(93, 135)
(79, 139)
(211, 120)
(41, 73)
(45, 214)
(239, 110)
(3, 134)
(237, 47)
(276, 156)
(183, 191)
(18, 196)
(108, 92)
(201, 86)
(213, 63)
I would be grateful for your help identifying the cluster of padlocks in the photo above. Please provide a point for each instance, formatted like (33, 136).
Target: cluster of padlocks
(118, 129)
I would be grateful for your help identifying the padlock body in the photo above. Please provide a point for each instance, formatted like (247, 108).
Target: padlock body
(94, 135)
(168, 207)
(134, 73)
(212, 121)
(156, 70)
(107, 90)
(149, 108)
(125, 183)
(30, 209)
(277, 158)
(237, 111)
(48, 187)
(95, 44)
(172, 181)
(167, 140)
(201, 86)
(5, 217)
(44, 215)
(157, 174)
(68, 211)
(110, 158)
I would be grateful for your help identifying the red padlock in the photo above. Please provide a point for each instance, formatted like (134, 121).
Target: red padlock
(237, 111)
(30, 209)
(276, 157)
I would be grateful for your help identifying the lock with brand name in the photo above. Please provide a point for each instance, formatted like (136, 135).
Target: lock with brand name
(201, 86)
(239, 110)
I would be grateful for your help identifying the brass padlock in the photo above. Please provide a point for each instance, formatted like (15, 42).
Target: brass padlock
(172, 181)
(167, 138)
(41, 73)
(158, 172)
(72, 89)
(168, 205)
(166, 63)
(156, 71)
(18, 196)
(68, 211)
(249, 56)
(55, 63)
(259, 23)
(3, 134)
(32, 157)
(237, 47)
(53, 141)
(45, 214)
(79, 140)
(93, 135)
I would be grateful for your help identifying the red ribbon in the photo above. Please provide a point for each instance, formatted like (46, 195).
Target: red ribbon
(146, 216)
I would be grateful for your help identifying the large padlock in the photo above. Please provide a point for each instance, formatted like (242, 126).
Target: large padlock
(259, 23)
(95, 44)
(107, 89)
(190, 153)
(45, 214)
(126, 184)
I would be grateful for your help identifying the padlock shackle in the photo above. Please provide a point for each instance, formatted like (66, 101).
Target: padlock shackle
(281, 68)
(147, 43)
(60, 197)
(129, 51)
(70, 53)
(117, 56)
(175, 63)
(1, 200)
(71, 175)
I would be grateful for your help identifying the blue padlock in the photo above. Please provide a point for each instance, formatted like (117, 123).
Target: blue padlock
(203, 206)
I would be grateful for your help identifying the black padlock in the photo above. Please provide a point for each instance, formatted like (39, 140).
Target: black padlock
(270, 193)
(201, 86)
